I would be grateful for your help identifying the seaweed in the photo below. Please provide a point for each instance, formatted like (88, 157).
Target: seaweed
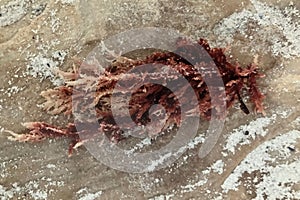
(100, 88)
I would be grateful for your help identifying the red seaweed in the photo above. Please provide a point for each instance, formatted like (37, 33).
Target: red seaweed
(59, 99)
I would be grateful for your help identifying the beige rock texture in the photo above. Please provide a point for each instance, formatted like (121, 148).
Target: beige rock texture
(256, 157)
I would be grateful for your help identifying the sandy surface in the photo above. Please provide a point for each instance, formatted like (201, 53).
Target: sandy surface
(257, 157)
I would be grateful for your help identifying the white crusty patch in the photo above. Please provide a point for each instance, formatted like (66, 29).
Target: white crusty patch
(43, 67)
(273, 185)
(275, 26)
(12, 12)
(68, 1)
(36, 189)
(218, 167)
(239, 137)
(83, 194)
(277, 178)
(191, 187)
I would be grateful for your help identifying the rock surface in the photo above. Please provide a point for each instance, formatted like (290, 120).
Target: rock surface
(256, 157)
